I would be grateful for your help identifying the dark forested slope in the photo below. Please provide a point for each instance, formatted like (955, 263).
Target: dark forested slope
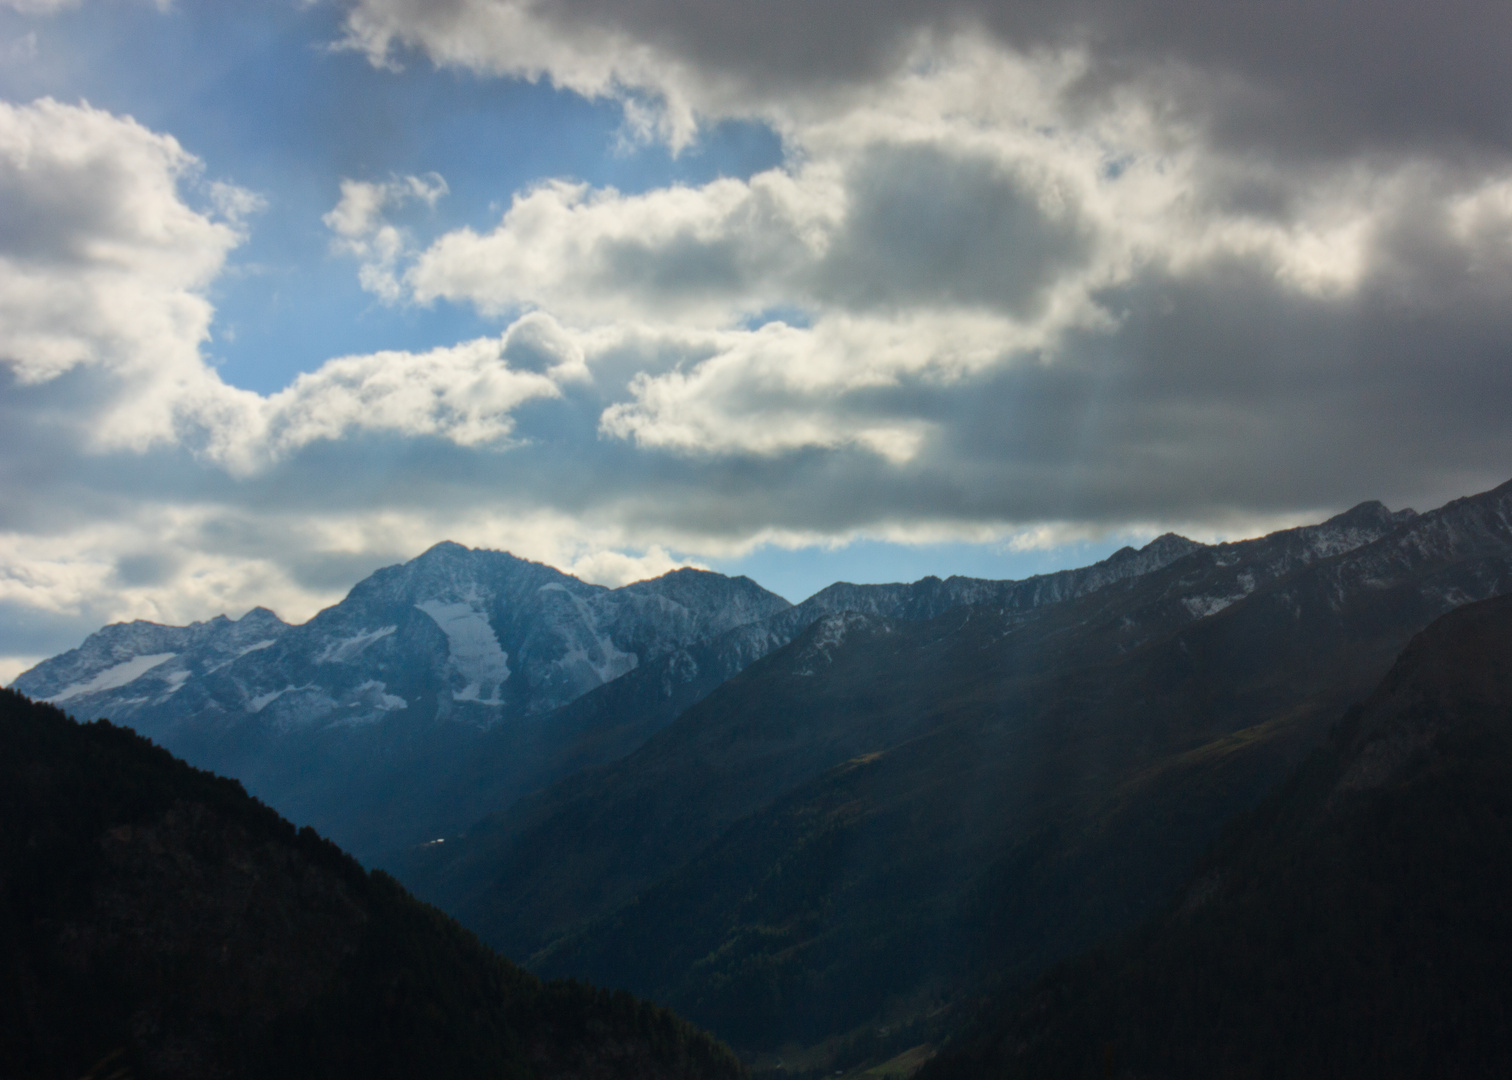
(1356, 925)
(154, 918)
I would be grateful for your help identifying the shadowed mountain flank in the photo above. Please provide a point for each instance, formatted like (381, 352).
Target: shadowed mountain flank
(446, 687)
(884, 811)
(1354, 925)
(157, 920)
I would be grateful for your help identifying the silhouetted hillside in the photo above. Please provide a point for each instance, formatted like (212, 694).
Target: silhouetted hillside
(156, 919)
(1356, 925)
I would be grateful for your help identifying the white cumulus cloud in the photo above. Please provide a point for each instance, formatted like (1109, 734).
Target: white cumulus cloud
(363, 232)
(968, 217)
(104, 267)
(102, 263)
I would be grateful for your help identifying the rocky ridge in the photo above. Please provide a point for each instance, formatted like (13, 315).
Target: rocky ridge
(882, 803)
(476, 636)
(444, 688)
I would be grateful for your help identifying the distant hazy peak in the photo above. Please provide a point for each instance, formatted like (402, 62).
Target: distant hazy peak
(1369, 513)
(691, 581)
(108, 654)
(1161, 551)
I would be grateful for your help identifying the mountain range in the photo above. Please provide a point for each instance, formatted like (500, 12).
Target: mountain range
(446, 687)
(885, 812)
(821, 830)
(410, 708)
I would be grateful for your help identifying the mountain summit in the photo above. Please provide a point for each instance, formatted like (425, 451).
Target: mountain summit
(351, 720)
(477, 636)
(886, 811)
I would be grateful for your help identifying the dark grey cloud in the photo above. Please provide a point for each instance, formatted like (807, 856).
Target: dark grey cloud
(927, 227)
(1331, 77)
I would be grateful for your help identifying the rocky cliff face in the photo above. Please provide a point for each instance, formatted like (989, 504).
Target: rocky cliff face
(657, 691)
(686, 674)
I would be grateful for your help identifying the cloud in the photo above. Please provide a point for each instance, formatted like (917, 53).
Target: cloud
(1023, 274)
(705, 254)
(359, 213)
(52, 7)
(465, 393)
(880, 226)
(1324, 80)
(363, 233)
(525, 41)
(616, 568)
(103, 272)
(780, 389)
(102, 264)
(967, 234)
(985, 203)
(537, 343)
(137, 483)
(39, 7)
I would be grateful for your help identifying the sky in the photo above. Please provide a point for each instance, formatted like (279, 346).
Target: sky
(822, 290)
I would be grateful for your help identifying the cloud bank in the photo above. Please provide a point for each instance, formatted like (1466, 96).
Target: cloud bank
(1024, 271)
(1070, 262)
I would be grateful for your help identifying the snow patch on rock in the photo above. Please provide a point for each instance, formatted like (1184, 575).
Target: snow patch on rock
(344, 650)
(1200, 607)
(380, 697)
(475, 652)
(112, 677)
(367, 703)
(589, 647)
(262, 701)
(256, 646)
(830, 632)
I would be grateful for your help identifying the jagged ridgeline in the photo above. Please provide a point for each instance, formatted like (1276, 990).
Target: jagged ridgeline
(833, 824)
(421, 701)
(1356, 924)
(887, 814)
(155, 921)
(444, 688)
